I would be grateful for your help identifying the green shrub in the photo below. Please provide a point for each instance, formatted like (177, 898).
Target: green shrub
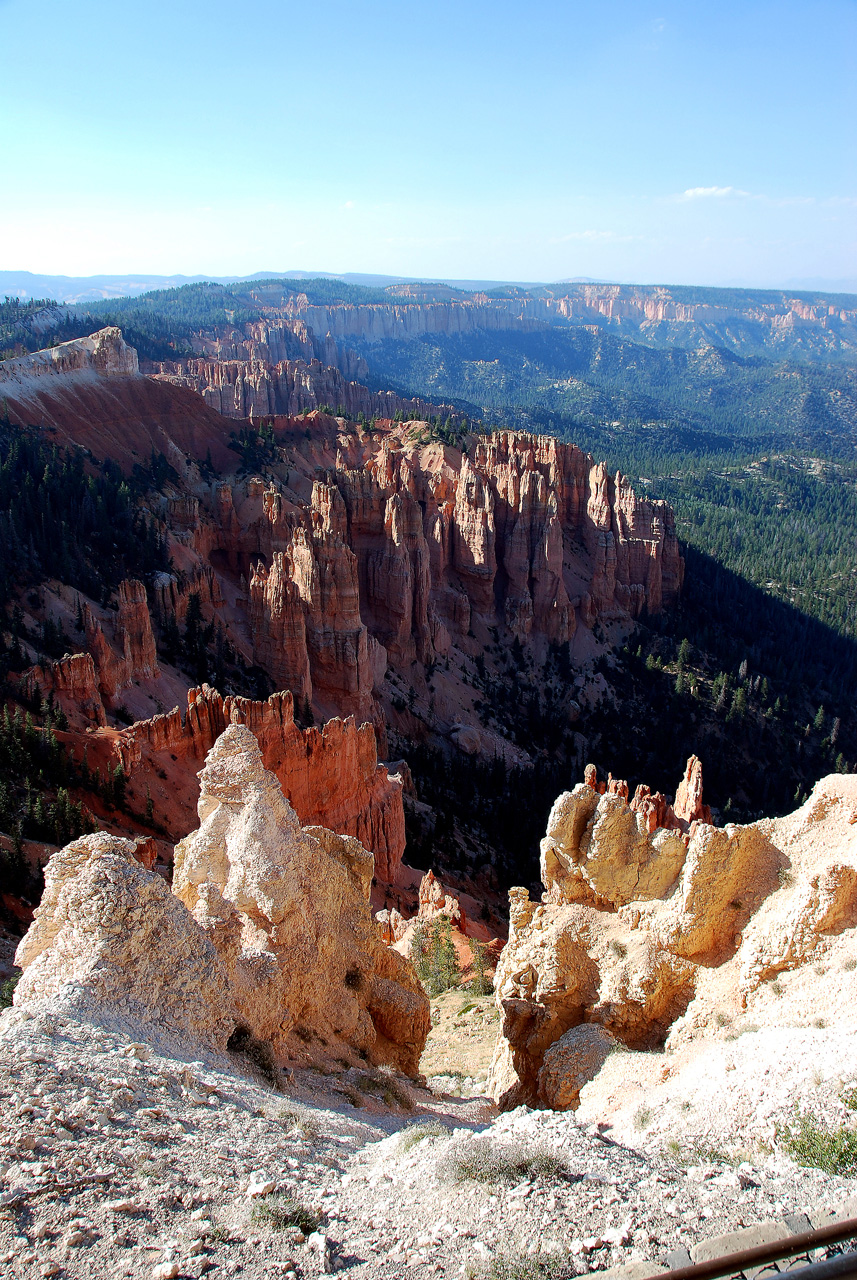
(642, 1117)
(513, 1265)
(281, 1211)
(480, 983)
(485, 1159)
(384, 1085)
(812, 1144)
(7, 990)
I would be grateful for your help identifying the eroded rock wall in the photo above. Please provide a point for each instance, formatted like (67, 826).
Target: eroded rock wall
(330, 775)
(659, 933)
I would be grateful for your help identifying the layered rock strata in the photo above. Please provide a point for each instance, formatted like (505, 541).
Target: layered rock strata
(634, 309)
(268, 930)
(255, 388)
(642, 931)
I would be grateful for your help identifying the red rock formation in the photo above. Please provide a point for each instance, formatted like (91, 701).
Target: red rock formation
(617, 786)
(74, 683)
(170, 596)
(655, 809)
(688, 806)
(305, 612)
(89, 392)
(653, 806)
(331, 776)
(590, 778)
(137, 658)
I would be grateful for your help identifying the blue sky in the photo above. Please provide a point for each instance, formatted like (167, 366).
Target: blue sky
(676, 142)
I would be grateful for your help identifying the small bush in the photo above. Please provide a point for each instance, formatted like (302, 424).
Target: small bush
(7, 990)
(512, 1265)
(299, 1120)
(279, 1212)
(812, 1144)
(418, 1132)
(696, 1151)
(483, 1159)
(385, 1086)
(642, 1117)
(257, 1052)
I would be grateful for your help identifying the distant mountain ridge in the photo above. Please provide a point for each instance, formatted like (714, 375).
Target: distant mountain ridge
(77, 289)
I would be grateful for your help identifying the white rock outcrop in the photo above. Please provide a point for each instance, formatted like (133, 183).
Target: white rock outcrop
(287, 910)
(268, 930)
(111, 944)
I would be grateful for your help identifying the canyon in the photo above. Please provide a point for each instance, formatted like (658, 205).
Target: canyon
(364, 574)
(220, 1013)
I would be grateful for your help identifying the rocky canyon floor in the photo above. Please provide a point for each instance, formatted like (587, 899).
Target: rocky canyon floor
(118, 1161)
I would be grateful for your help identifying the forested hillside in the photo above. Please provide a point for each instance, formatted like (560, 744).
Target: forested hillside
(597, 378)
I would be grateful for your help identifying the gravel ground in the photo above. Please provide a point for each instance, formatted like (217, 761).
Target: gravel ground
(118, 1161)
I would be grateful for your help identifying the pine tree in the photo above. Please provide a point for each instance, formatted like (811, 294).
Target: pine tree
(480, 983)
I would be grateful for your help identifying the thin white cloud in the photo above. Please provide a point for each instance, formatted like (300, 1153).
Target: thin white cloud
(705, 193)
(604, 236)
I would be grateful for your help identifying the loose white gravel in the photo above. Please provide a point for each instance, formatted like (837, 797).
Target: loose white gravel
(118, 1161)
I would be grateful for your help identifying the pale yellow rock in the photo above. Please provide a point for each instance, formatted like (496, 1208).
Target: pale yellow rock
(564, 965)
(726, 877)
(597, 850)
(571, 1062)
(666, 946)
(111, 944)
(817, 896)
(288, 912)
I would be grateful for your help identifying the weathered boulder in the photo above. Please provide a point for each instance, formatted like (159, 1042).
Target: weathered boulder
(571, 1062)
(288, 911)
(110, 944)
